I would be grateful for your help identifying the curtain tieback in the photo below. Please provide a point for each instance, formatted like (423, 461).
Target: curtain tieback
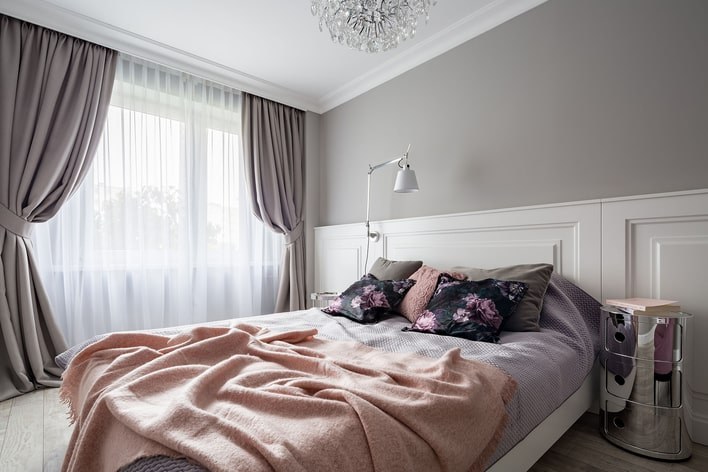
(294, 235)
(13, 223)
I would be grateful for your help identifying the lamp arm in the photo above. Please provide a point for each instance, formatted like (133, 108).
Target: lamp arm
(387, 163)
(375, 235)
(372, 168)
(397, 160)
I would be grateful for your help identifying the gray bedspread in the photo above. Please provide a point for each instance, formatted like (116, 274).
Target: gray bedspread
(549, 365)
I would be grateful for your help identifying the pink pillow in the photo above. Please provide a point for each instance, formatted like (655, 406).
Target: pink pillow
(419, 295)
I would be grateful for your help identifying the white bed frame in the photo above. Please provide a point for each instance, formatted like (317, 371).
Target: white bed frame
(651, 246)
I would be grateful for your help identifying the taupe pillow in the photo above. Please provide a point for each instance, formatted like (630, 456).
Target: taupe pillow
(384, 269)
(527, 313)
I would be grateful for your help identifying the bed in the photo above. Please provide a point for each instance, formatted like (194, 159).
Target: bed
(548, 367)
(634, 246)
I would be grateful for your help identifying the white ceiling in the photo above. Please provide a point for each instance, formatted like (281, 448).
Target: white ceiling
(270, 47)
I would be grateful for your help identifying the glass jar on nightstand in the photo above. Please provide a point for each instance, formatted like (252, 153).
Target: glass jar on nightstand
(322, 299)
(642, 384)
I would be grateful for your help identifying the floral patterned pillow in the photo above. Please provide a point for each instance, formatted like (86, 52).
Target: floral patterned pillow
(470, 309)
(366, 300)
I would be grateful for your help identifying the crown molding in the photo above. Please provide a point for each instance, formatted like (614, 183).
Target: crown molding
(471, 26)
(66, 21)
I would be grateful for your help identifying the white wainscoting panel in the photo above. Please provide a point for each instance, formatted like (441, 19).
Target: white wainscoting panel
(339, 255)
(567, 235)
(657, 246)
(646, 246)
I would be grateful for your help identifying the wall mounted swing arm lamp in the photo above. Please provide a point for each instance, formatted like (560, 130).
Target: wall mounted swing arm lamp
(406, 182)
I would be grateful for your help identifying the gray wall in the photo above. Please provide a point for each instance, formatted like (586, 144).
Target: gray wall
(573, 100)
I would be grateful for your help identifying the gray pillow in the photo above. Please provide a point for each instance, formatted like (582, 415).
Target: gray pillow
(536, 276)
(384, 269)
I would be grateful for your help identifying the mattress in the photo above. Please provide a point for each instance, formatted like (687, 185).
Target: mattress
(549, 365)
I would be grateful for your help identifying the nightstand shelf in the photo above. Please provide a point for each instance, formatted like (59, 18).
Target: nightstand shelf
(642, 383)
(322, 299)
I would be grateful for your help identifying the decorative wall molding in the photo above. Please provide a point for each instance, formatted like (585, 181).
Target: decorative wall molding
(51, 15)
(657, 246)
(668, 243)
(66, 21)
(648, 246)
(566, 235)
(460, 32)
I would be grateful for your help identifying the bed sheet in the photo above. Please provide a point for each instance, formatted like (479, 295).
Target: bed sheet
(549, 365)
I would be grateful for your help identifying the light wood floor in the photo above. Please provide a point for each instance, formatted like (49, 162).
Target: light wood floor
(34, 433)
(582, 448)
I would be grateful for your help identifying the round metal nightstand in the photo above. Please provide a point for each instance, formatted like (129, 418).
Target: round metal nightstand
(642, 385)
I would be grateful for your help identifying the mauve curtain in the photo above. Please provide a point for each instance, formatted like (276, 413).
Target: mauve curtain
(54, 95)
(274, 149)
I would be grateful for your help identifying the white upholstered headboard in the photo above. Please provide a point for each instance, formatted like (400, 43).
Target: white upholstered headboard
(649, 246)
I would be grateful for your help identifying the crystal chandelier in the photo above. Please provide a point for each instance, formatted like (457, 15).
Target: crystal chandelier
(371, 25)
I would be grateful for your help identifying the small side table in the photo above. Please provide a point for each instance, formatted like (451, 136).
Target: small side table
(322, 299)
(642, 385)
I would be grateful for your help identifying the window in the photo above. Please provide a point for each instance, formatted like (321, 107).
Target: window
(160, 232)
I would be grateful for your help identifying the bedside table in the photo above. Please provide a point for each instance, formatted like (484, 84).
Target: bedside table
(322, 299)
(642, 385)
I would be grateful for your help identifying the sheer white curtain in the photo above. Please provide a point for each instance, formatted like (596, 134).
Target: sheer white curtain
(160, 232)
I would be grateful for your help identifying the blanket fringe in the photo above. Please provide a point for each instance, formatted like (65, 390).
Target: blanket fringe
(65, 398)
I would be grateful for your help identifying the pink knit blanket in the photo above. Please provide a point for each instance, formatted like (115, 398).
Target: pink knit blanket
(248, 399)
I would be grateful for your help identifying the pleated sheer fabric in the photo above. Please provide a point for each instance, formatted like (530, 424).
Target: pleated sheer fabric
(161, 233)
(54, 94)
(274, 150)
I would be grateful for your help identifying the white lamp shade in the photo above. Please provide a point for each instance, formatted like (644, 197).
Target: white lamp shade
(406, 181)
